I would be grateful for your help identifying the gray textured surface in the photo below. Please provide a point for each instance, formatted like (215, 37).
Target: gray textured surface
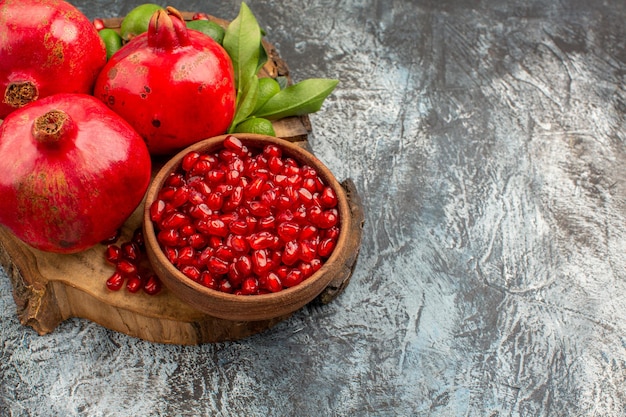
(487, 141)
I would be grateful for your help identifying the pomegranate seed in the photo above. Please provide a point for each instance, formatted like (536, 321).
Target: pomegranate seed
(328, 219)
(201, 168)
(250, 286)
(191, 271)
(314, 214)
(332, 232)
(113, 253)
(186, 256)
(316, 264)
(171, 254)
(115, 281)
(261, 240)
(306, 269)
(189, 160)
(235, 276)
(269, 197)
(229, 217)
(226, 286)
(217, 227)
(134, 284)
(180, 197)
(294, 180)
(280, 180)
(187, 230)
(205, 255)
(208, 280)
(235, 199)
(225, 253)
(200, 16)
(308, 250)
(291, 252)
(215, 242)
(174, 220)
(130, 251)
(217, 266)
(244, 265)
(326, 247)
(216, 175)
(259, 209)
(197, 241)
(285, 216)
(308, 232)
(196, 197)
(328, 198)
(254, 188)
(239, 244)
(305, 196)
(169, 237)
(175, 180)
(272, 150)
(126, 268)
(267, 223)
(152, 286)
(275, 164)
(200, 211)
(215, 201)
(138, 238)
(232, 177)
(157, 209)
(233, 144)
(260, 262)
(293, 278)
(98, 24)
(288, 231)
(282, 271)
(166, 193)
(272, 282)
(252, 223)
(238, 227)
(310, 184)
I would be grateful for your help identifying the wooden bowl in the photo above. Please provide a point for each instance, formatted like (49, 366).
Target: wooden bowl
(249, 307)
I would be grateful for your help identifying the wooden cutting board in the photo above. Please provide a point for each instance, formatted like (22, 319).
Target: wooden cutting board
(49, 288)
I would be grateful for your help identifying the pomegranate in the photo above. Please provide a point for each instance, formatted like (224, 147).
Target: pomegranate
(46, 47)
(71, 172)
(174, 86)
(246, 221)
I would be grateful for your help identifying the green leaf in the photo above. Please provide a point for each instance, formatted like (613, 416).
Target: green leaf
(241, 41)
(283, 81)
(246, 102)
(262, 58)
(304, 97)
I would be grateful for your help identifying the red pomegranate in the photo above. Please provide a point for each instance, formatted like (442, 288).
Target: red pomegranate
(72, 171)
(174, 86)
(46, 47)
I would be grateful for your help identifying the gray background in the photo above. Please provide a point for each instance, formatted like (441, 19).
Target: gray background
(487, 142)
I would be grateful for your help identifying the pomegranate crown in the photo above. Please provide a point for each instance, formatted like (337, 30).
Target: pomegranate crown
(167, 30)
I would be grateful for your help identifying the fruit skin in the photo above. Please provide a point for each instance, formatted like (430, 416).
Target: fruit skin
(174, 86)
(67, 191)
(46, 47)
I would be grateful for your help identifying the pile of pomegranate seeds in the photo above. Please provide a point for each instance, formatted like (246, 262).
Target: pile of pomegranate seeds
(127, 259)
(243, 222)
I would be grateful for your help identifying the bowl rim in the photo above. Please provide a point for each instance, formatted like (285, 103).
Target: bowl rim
(291, 149)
